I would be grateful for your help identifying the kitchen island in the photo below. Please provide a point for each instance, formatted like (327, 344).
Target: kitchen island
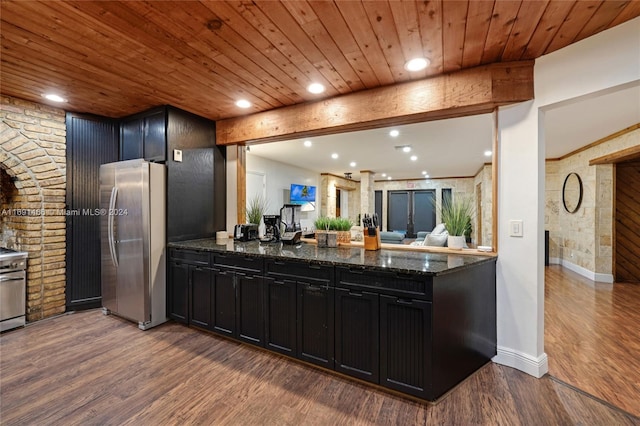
(414, 322)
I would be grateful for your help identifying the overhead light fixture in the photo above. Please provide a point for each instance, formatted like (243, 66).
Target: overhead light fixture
(53, 97)
(424, 172)
(243, 103)
(384, 175)
(307, 143)
(394, 133)
(414, 157)
(334, 155)
(388, 177)
(487, 153)
(352, 164)
(426, 176)
(417, 64)
(315, 88)
(403, 148)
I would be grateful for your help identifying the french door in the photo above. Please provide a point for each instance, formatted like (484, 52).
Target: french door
(411, 211)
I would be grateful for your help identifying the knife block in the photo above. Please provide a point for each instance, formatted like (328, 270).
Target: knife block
(372, 242)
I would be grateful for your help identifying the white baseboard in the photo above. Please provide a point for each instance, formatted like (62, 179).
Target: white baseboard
(537, 367)
(594, 276)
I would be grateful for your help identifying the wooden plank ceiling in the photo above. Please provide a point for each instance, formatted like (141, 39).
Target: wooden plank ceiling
(115, 58)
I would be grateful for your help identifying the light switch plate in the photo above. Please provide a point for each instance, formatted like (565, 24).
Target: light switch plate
(515, 228)
(177, 155)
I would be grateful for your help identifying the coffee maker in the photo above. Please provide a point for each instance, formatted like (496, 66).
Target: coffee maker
(272, 228)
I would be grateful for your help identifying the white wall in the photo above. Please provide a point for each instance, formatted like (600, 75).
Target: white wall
(279, 177)
(597, 64)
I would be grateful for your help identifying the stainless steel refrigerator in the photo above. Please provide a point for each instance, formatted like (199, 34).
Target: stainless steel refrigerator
(133, 241)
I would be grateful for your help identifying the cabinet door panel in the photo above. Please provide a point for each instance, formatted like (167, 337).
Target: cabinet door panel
(357, 334)
(154, 137)
(315, 324)
(280, 315)
(178, 292)
(223, 303)
(200, 297)
(131, 139)
(405, 345)
(249, 298)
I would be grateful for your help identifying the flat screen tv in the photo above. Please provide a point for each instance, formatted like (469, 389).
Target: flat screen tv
(301, 194)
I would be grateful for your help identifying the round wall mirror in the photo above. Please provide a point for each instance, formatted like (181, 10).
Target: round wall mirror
(572, 192)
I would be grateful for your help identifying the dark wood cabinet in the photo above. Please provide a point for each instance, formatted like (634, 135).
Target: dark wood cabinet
(310, 313)
(178, 292)
(144, 136)
(280, 315)
(357, 334)
(415, 333)
(315, 323)
(200, 296)
(223, 302)
(249, 295)
(196, 182)
(405, 345)
(189, 281)
(238, 297)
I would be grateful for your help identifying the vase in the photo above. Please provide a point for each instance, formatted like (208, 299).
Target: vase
(455, 242)
(321, 238)
(344, 237)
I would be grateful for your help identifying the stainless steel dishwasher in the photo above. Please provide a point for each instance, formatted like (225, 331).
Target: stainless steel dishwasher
(12, 288)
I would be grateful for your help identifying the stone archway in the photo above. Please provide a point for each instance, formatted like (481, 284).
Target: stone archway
(33, 157)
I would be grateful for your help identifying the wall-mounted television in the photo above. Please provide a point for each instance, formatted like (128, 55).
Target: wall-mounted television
(301, 194)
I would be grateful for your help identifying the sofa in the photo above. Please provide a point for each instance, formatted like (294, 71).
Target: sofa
(392, 237)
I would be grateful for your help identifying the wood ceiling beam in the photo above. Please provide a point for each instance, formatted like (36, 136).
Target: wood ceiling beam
(468, 92)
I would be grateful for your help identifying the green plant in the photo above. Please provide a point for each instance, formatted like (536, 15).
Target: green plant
(322, 223)
(340, 224)
(456, 215)
(256, 208)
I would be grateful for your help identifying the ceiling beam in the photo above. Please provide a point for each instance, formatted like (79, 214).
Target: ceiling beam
(468, 92)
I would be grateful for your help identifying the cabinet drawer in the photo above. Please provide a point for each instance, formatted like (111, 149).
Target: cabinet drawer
(252, 263)
(306, 270)
(394, 283)
(192, 257)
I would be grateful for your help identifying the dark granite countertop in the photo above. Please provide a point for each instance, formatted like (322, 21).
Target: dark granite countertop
(386, 259)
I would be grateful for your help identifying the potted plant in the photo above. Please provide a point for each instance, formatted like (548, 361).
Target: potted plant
(256, 207)
(456, 215)
(322, 227)
(343, 226)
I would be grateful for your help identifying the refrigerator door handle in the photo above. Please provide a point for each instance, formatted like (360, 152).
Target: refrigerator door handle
(110, 226)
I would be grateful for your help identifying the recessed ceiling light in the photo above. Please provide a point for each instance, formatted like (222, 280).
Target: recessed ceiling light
(334, 155)
(416, 64)
(406, 149)
(394, 133)
(307, 143)
(414, 157)
(424, 172)
(426, 176)
(487, 153)
(352, 164)
(53, 97)
(384, 175)
(315, 88)
(388, 177)
(243, 103)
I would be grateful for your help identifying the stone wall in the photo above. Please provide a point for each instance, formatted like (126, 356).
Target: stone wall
(33, 155)
(584, 238)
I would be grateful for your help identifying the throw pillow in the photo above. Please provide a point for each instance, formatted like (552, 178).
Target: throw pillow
(439, 229)
(436, 240)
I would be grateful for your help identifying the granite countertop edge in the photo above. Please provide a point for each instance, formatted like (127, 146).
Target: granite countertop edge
(390, 260)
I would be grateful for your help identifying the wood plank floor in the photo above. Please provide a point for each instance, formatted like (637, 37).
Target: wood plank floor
(592, 336)
(90, 369)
